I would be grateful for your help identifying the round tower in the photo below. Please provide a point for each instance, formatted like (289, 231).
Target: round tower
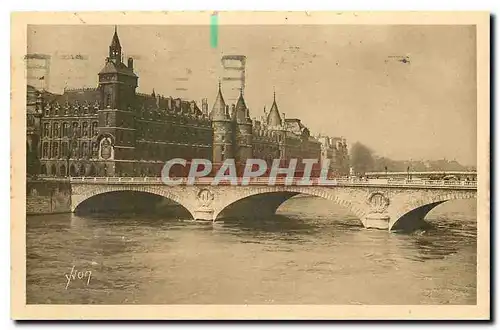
(243, 134)
(222, 130)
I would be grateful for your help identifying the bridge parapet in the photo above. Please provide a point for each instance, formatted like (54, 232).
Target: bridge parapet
(346, 182)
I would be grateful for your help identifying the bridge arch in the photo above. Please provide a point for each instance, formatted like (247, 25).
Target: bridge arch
(412, 215)
(79, 199)
(266, 200)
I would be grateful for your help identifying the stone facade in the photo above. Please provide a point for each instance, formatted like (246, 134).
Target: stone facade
(112, 130)
(44, 197)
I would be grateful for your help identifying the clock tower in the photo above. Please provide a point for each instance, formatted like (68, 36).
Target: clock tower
(117, 85)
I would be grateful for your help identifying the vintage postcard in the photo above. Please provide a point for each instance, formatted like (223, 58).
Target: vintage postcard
(250, 165)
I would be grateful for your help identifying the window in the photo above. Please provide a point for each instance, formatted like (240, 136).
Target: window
(85, 128)
(108, 100)
(65, 129)
(74, 150)
(46, 129)
(95, 149)
(55, 150)
(64, 149)
(45, 150)
(93, 129)
(75, 130)
(84, 151)
(55, 131)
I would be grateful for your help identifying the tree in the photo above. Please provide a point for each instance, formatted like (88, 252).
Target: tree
(361, 158)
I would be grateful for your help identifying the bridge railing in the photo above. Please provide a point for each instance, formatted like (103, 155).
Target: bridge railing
(295, 181)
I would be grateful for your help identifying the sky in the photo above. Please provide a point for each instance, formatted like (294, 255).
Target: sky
(340, 80)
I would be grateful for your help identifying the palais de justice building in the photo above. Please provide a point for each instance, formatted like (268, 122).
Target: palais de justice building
(113, 130)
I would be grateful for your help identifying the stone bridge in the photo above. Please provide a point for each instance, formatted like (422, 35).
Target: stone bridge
(383, 204)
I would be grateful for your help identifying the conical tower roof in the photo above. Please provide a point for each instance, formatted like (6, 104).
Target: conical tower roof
(241, 109)
(274, 118)
(219, 107)
(115, 42)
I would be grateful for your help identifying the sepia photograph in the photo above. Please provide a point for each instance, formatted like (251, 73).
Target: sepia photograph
(223, 165)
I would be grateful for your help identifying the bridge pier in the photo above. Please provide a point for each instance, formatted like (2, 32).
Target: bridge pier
(203, 214)
(377, 221)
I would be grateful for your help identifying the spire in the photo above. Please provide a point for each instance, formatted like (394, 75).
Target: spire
(241, 108)
(219, 107)
(115, 49)
(274, 118)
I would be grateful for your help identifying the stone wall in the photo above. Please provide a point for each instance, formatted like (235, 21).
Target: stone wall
(45, 197)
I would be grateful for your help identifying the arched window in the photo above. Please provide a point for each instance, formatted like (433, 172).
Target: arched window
(46, 129)
(95, 149)
(43, 169)
(55, 150)
(72, 170)
(55, 130)
(108, 100)
(85, 128)
(45, 150)
(64, 149)
(73, 151)
(75, 131)
(93, 129)
(84, 151)
(65, 129)
(53, 170)
(62, 170)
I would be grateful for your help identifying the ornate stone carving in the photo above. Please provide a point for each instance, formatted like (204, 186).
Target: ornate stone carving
(106, 149)
(378, 202)
(205, 197)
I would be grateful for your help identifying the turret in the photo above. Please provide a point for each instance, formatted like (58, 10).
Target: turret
(222, 130)
(273, 118)
(243, 129)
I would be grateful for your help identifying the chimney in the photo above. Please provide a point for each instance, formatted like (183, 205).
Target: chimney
(204, 106)
(131, 63)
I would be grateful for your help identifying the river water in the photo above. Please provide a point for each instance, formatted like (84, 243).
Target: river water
(312, 252)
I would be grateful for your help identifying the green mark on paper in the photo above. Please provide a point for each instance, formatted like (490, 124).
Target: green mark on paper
(214, 30)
